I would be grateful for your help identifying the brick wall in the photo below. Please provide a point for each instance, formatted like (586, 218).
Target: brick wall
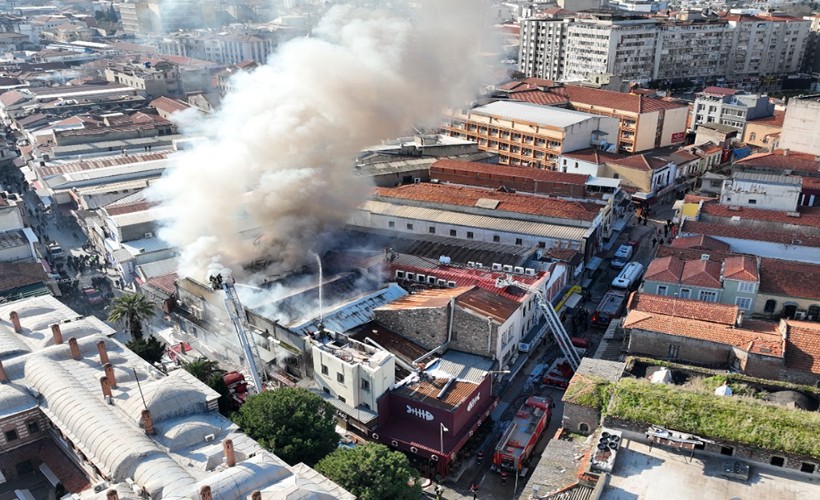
(426, 327)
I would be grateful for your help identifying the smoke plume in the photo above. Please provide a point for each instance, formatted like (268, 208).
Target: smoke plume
(274, 177)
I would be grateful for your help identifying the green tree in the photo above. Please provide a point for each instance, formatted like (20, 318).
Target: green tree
(132, 309)
(210, 373)
(295, 424)
(372, 472)
(149, 349)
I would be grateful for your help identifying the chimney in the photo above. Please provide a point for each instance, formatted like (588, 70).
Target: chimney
(75, 348)
(147, 422)
(57, 334)
(740, 318)
(230, 456)
(256, 495)
(109, 374)
(15, 321)
(112, 495)
(103, 352)
(106, 389)
(3, 377)
(785, 152)
(205, 493)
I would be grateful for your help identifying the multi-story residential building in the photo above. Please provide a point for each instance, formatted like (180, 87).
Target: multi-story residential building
(160, 79)
(801, 124)
(230, 47)
(143, 17)
(729, 107)
(811, 63)
(528, 134)
(743, 47)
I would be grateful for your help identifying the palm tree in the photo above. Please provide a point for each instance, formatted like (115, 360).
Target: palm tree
(133, 309)
(204, 369)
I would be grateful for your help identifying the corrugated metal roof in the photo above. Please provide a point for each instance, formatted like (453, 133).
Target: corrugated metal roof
(464, 366)
(792, 180)
(534, 113)
(158, 268)
(474, 221)
(352, 314)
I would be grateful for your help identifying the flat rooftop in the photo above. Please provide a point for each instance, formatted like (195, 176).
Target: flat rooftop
(665, 475)
(534, 113)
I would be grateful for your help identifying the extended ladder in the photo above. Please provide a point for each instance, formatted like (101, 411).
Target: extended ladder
(236, 312)
(559, 332)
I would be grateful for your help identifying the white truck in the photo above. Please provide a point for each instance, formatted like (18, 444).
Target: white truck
(622, 255)
(629, 276)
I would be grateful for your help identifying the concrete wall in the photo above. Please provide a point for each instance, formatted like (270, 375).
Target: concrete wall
(801, 125)
(349, 388)
(674, 125)
(646, 130)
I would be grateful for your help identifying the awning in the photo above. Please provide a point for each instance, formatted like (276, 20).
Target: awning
(594, 263)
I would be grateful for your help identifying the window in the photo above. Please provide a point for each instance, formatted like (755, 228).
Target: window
(752, 202)
(707, 296)
(391, 224)
(496, 238)
(453, 232)
(33, 426)
(365, 385)
(326, 390)
(662, 289)
(340, 377)
(11, 434)
(431, 230)
(324, 370)
(744, 303)
(409, 227)
(746, 286)
(808, 467)
(752, 136)
(342, 399)
(673, 352)
(583, 428)
(727, 450)
(519, 241)
(470, 235)
(770, 306)
(777, 461)
(685, 293)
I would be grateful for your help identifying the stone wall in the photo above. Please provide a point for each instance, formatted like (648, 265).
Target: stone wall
(657, 345)
(427, 327)
(575, 415)
(474, 334)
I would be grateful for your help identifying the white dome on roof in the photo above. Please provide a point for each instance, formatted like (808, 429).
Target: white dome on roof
(190, 432)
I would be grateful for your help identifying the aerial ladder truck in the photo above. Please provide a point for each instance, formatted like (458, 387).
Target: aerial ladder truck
(554, 322)
(237, 314)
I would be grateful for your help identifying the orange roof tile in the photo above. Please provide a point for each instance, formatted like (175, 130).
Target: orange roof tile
(633, 103)
(776, 120)
(684, 308)
(760, 337)
(809, 216)
(741, 268)
(803, 346)
(700, 241)
(488, 304)
(789, 278)
(447, 194)
(543, 97)
(593, 156)
(787, 237)
(639, 162)
(169, 105)
(718, 91)
(432, 298)
(509, 171)
(777, 160)
(701, 273)
(666, 270)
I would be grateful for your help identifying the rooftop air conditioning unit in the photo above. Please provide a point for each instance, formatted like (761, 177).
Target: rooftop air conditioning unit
(99, 487)
(529, 271)
(209, 438)
(471, 264)
(519, 270)
(417, 180)
(508, 269)
(441, 283)
(421, 278)
(704, 256)
(431, 280)
(148, 235)
(800, 315)
(496, 267)
(479, 265)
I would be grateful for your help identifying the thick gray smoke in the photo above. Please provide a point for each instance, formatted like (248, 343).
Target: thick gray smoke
(274, 177)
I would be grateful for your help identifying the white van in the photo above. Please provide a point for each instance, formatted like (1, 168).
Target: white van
(622, 255)
(629, 276)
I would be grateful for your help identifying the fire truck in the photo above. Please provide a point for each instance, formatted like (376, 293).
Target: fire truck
(519, 440)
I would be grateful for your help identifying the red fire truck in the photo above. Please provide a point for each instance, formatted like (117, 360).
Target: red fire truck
(518, 441)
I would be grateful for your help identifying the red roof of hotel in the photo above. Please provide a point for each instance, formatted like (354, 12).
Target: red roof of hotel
(760, 337)
(789, 278)
(447, 194)
(803, 346)
(511, 171)
(777, 160)
(633, 103)
(724, 314)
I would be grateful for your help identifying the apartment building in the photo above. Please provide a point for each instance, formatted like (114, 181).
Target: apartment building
(142, 17)
(231, 47)
(160, 79)
(743, 47)
(811, 63)
(729, 107)
(529, 134)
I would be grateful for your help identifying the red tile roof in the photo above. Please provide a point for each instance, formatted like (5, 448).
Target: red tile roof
(692, 253)
(432, 298)
(166, 283)
(723, 314)
(527, 84)
(665, 270)
(718, 91)
(803, 346)
(544, 97)
(593, 156)
(639, 162)
(790, 279)
(701, 273)
(129, 208)
(12, 97)
(510, 171)
(787, 237)
(741, 268)
(701, 242)
(446, 194)
(777, 160)
(94, 163)
(809, 216)
(18, 274)
(169, 105)
(760, 337)
(609, 99)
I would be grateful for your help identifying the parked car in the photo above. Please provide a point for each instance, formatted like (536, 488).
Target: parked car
(55, 250)
(92, 296)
